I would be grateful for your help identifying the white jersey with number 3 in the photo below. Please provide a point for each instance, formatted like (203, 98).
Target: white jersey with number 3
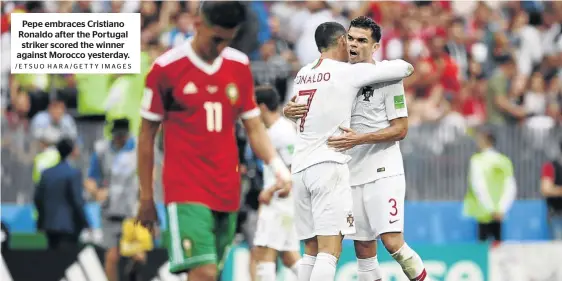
(329, 88)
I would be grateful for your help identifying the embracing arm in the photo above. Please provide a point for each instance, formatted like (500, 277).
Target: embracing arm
(364, 74)
(396, 112)
(293, 111)
(395, 132)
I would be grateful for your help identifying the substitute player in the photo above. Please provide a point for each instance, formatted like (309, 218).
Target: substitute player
(378, 122)
(323, 201)
(275, 233)
(197, 91)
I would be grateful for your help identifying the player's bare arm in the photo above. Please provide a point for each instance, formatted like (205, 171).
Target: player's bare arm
(294, 111)
(147, 210)
(364, 74)
(397, 131)
(262, 147)
(267, 194)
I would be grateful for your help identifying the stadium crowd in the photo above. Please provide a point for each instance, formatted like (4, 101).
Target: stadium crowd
(457, 48)
(476, 63)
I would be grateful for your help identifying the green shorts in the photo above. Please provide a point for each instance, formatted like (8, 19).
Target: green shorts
(197, 235)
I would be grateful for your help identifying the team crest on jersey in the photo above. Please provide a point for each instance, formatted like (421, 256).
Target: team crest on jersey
(350, 219)
(187, 247)
(367, 93)
(232, 93)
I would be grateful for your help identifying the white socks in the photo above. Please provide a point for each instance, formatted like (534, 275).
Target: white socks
(324, 268)
(306, 264)
(411, 263)
(368, 269)
(265, 271)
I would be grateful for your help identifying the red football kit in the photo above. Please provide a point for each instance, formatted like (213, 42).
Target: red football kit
(198, 104)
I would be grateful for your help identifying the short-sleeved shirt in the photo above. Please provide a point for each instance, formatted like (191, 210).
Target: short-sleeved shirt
(497, 86)
(198, 104)
(376, 106)
(330, 88)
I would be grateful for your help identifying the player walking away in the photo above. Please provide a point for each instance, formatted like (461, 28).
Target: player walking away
(197, 91)
(323, 201)
(276, 233)
(378, 122)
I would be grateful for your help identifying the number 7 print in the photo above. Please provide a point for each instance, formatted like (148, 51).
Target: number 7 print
(310, 94)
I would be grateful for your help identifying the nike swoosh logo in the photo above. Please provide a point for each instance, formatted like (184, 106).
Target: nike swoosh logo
(391, 222)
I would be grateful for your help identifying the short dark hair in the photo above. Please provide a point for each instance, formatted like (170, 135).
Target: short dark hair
(120, 126)
(488, 132)
(327, 34)
(268, 96)
(364, 22)
(226, 14)
(65, 148)
(57, 97)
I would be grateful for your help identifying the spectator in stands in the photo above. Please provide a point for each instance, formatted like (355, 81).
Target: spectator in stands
(182, 30)
(316, 12)
(57, 117)
(444, 70)
(456, 46)
(491, 187)
(272, 69)
(499, 108)
(48, 155)
(59, 202)
(112, 180)
(551, 189)
(473, 105)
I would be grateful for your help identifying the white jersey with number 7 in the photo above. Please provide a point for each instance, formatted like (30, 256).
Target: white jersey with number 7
(329, 88)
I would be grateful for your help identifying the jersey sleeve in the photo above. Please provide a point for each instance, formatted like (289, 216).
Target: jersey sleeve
(395, 101)
(364, 74)
(286, 153)
(152, 107)
(248, 109)
(547, 171)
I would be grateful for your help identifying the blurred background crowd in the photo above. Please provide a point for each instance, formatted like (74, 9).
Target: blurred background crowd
(476, 63)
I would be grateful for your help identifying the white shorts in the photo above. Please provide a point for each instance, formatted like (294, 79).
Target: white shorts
(323, 202)
(378, 207)
(276, 230)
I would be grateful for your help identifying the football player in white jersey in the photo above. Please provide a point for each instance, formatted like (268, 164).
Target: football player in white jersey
(275, 232)
(378, 122)
(323, 200)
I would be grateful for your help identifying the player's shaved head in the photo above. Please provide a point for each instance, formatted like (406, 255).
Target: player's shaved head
(226, 14)
(327, 35)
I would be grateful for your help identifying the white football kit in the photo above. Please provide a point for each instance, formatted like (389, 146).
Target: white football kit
(276, 227)
(377, 170)
(323, 200)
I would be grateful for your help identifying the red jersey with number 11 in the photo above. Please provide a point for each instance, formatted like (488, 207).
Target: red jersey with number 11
(198, 104)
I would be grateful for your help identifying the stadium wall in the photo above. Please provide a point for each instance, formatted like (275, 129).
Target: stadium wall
(435, 223)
